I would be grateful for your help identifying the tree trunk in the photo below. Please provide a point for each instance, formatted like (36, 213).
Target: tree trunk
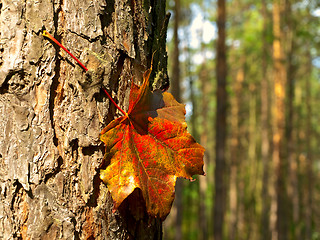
(175, 90)
(265, 126)
(221, 124)
(309, 190)
(278, 215)
(52, 113)
(293, 191)
(205, 94)
(235, 149)
(175, 83)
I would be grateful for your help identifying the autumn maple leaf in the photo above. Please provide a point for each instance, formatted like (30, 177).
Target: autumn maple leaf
(149, 148)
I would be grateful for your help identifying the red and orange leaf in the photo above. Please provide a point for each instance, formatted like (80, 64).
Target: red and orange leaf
(149, 148)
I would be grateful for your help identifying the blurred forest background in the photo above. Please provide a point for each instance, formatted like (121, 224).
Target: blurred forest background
(251, 85)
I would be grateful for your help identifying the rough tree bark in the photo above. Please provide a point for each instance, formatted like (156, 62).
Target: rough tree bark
(52, 112)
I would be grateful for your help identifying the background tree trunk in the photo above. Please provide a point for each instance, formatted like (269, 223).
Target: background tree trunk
(309, 191)
(293, 183)
(52, 113)
(176, 92)
(205, 89)
(221, 124)
(265, 127)
(237, 85)
(278, 216)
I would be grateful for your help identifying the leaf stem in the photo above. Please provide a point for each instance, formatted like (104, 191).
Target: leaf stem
(114, 103)
(48, 35)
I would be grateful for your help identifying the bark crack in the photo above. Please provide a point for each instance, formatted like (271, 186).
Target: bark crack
(91, 40)
(55, 171)
(55, 79)
(114, 83)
